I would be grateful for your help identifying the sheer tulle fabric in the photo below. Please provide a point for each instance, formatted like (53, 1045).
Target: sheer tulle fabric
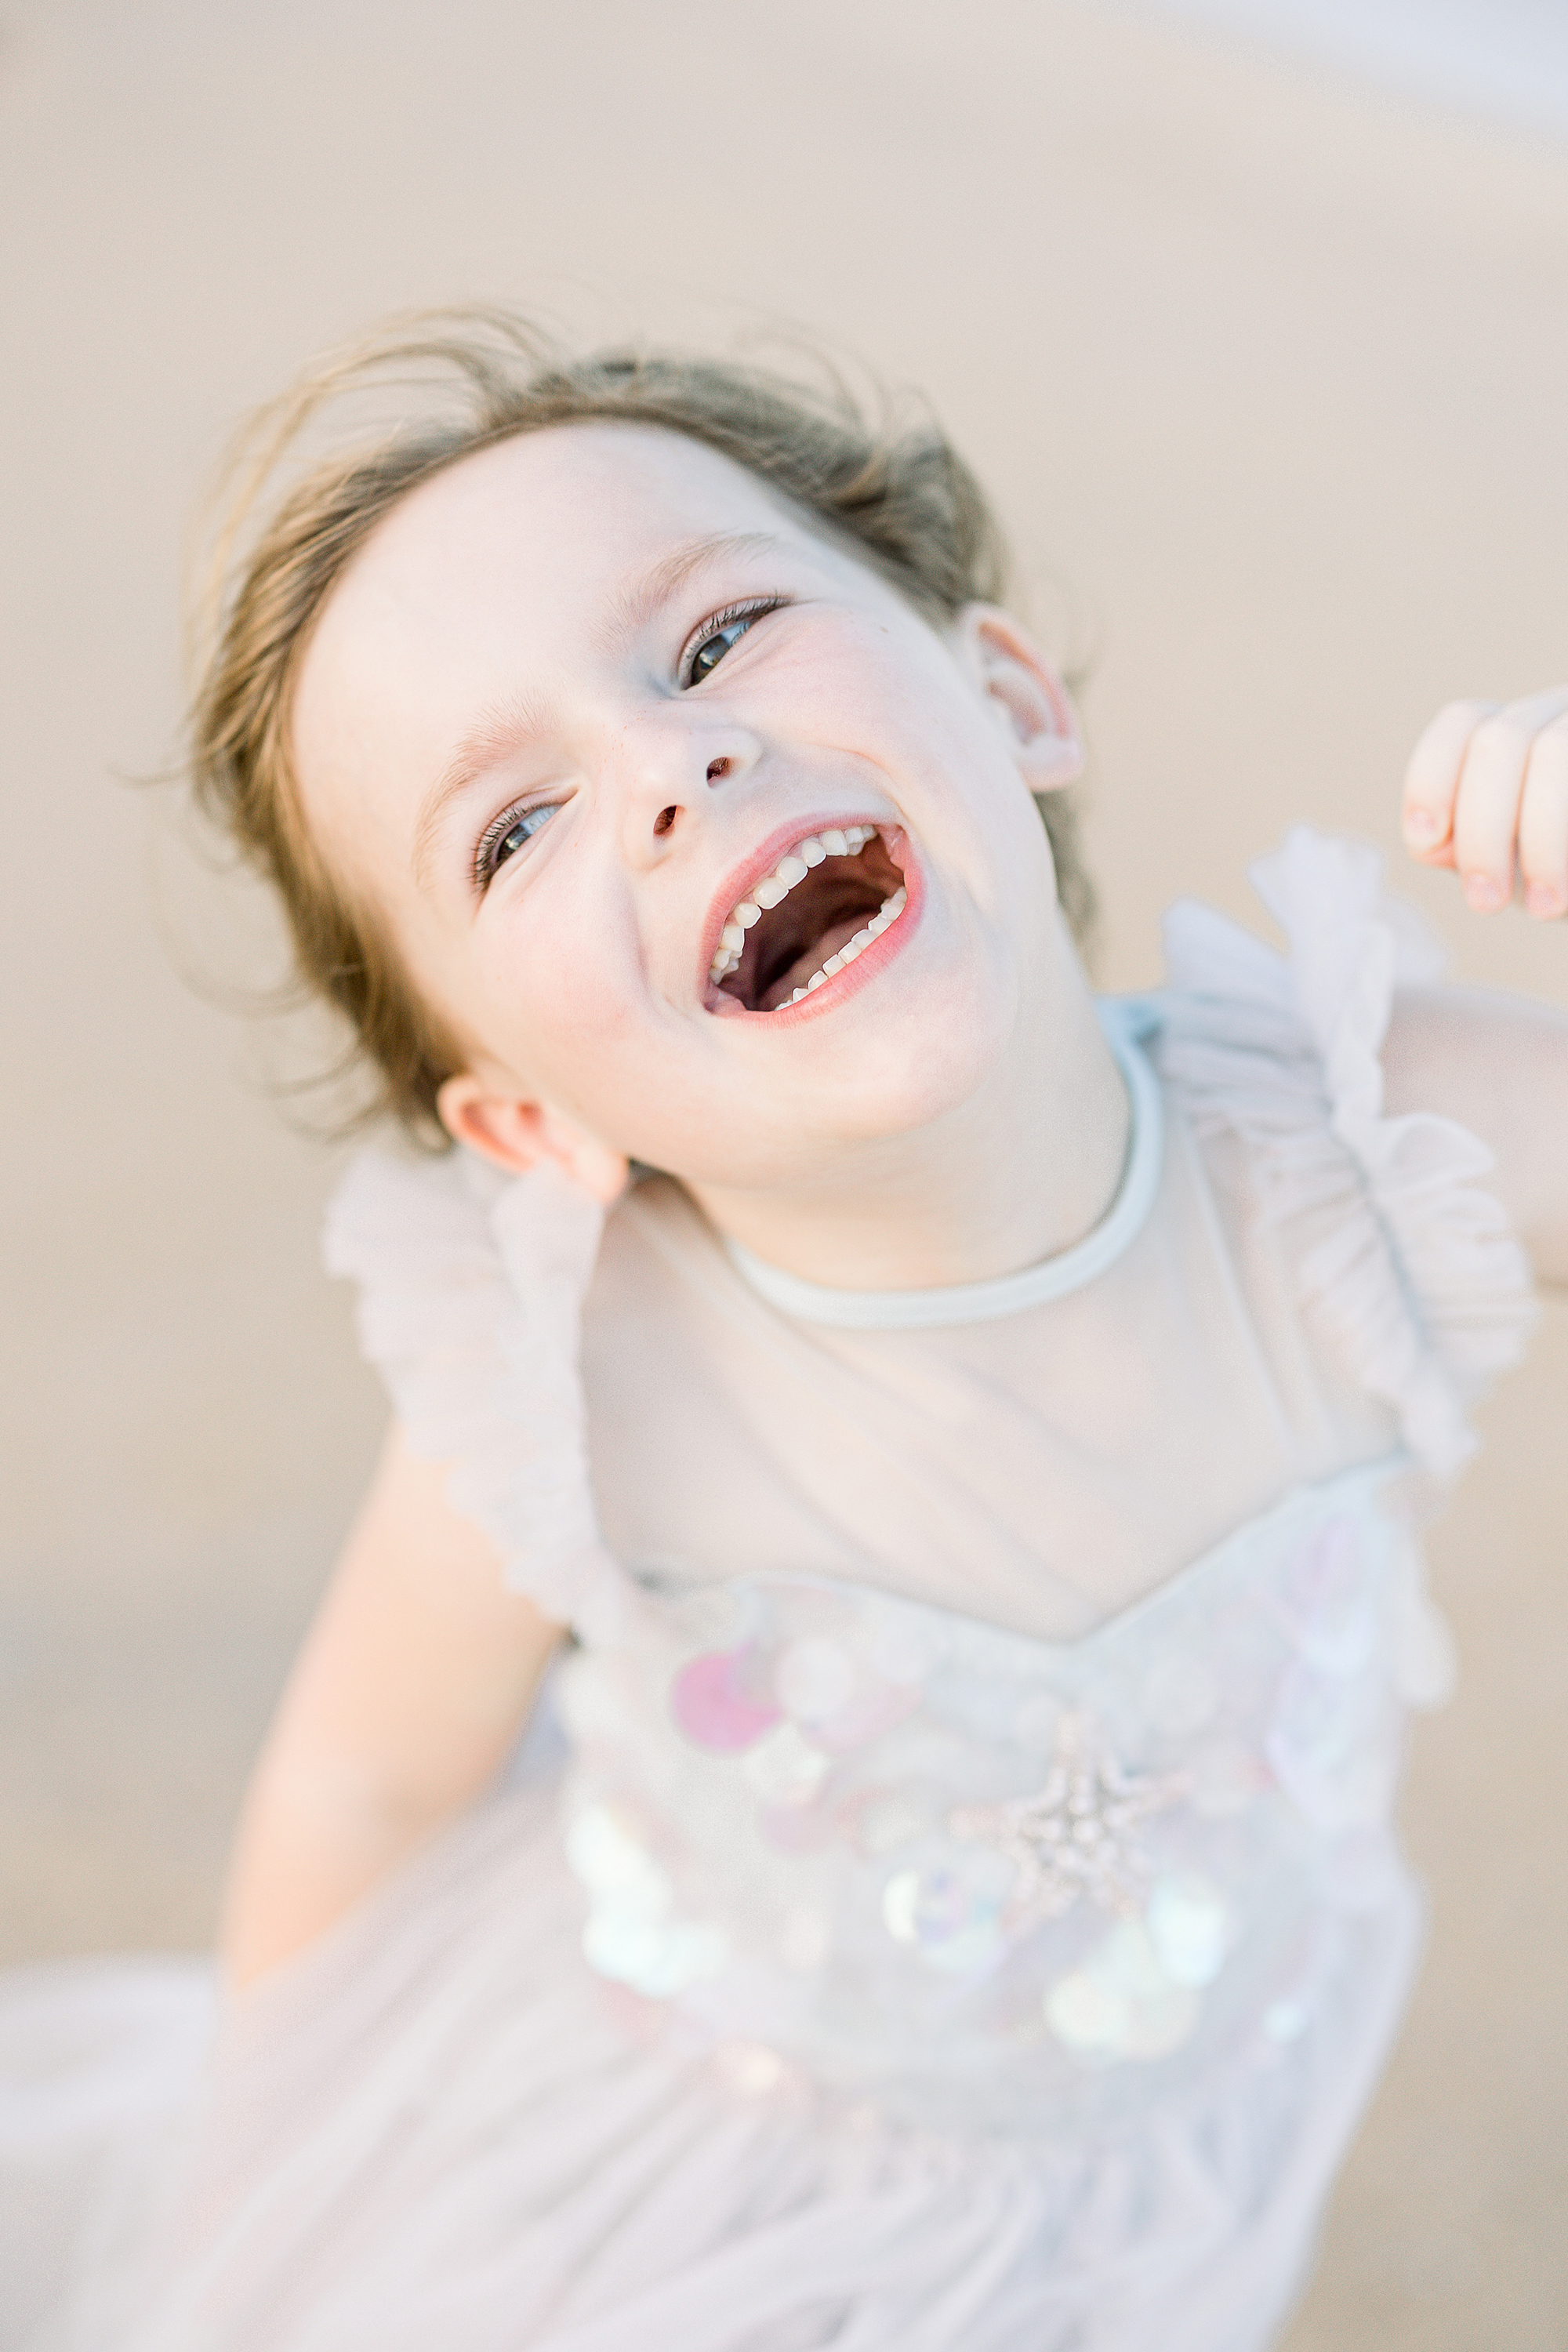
(443, 2124)
(436, 2131)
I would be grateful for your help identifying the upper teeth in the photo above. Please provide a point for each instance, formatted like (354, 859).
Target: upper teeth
(834, 841)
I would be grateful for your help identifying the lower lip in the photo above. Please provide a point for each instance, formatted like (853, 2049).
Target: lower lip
(840, 985)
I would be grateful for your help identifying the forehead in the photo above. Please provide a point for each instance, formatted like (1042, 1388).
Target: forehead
(568, 513)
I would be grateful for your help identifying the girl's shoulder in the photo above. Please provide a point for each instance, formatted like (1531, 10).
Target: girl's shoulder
(1403, 1262)
(470, 1287)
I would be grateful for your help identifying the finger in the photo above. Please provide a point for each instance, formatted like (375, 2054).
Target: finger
(1485, 809)
(1431, 779)
(1535, 711)
(1543, 823)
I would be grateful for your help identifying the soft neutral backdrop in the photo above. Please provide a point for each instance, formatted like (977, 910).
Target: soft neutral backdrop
(1267, 369)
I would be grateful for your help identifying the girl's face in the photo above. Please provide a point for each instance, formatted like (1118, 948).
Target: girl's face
(622, 752)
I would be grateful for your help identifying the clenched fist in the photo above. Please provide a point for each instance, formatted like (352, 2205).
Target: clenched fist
(1487, 792)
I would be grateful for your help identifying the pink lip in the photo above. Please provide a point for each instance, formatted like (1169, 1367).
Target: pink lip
(867, 964)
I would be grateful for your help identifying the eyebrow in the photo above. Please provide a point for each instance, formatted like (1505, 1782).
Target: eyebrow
(506, 726)
(632, 608)
(498, 732)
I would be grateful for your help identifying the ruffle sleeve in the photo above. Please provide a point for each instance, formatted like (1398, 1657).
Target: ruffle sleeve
(1404, 1261)
(471, 1286)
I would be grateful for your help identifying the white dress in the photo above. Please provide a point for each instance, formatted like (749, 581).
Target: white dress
(950, 1902)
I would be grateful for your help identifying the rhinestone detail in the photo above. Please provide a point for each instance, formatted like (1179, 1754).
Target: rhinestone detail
(1075, 1837)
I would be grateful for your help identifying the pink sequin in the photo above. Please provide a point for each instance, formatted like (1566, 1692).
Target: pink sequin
(709, 1701)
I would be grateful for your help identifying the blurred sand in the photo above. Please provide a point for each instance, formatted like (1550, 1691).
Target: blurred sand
(1270, 370)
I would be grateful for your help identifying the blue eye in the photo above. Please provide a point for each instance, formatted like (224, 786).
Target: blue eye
(724, 630)
(509, 834)
(714, 647)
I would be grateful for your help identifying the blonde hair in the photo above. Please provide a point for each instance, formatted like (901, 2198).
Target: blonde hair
(897, 492)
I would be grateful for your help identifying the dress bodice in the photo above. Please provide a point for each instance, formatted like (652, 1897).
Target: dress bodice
(929, 1857)
(1004, 1712)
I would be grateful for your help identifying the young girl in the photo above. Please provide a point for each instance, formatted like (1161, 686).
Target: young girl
(970, 1436)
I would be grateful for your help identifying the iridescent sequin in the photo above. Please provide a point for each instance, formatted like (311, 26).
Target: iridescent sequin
(784, 1769)
(1121, 2004)
(719, 1702)
(631, 1934)
(953, 1915)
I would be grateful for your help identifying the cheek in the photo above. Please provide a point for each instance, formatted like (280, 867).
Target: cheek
(872, 689)
(567, 1026)
(539, 1008)
(901, 705)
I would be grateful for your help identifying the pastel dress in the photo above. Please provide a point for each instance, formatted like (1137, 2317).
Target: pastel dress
(949, 1900)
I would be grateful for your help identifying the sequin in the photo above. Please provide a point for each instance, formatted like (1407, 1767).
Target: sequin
(784, 1769)
(655, 1957)
(715, 1701)
(900, 1903)
(1073, 1837)
(631, 1936)
(815, 1678)
(1188, 1927)
(607, 1854)
(1121, 2004)
(952, 1915)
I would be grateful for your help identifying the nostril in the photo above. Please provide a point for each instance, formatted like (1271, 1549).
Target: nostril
(664, 820)
(717, 767)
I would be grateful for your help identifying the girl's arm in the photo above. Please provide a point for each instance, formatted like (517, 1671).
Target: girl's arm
(415, 1681)
(1487, 793)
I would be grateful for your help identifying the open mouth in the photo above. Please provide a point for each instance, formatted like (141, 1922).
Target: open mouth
(823, 904)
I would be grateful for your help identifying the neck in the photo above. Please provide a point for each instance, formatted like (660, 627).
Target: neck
(1021, 1169)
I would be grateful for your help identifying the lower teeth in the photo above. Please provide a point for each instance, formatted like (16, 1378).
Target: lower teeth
(886, 915)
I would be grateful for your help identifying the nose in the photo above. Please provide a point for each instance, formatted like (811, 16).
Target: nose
(670, 766)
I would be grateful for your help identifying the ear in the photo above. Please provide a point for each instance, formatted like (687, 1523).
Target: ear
(1027, 698)
(516, 1136)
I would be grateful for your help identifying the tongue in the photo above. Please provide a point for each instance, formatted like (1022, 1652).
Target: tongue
(825, 909)
(811, 959)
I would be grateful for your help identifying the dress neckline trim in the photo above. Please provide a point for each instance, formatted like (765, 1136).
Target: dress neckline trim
(1126, 1020)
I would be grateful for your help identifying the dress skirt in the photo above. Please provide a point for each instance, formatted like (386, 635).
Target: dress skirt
(438, 2127)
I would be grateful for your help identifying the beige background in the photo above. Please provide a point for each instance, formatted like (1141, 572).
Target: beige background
(1269, 370)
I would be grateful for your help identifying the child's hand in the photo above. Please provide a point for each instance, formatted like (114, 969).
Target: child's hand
(1487, 786)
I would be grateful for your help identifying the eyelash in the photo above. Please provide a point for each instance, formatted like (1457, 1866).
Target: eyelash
(486, 866)
(750, 608)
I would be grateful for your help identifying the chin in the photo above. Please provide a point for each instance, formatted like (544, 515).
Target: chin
(921, 1079)
(906, 1080)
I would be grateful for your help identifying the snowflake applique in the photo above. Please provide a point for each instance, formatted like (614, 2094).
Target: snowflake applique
(1075, 1836)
